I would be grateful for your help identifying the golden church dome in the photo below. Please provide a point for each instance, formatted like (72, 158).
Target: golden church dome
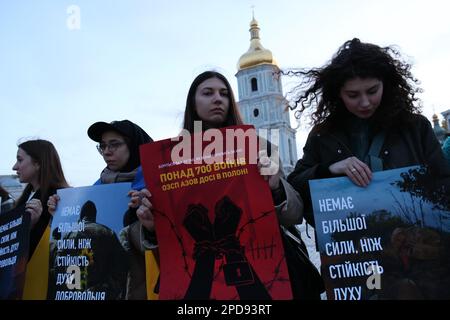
(256, 54)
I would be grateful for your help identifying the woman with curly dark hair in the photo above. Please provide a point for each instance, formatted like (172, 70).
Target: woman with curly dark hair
(365, 116)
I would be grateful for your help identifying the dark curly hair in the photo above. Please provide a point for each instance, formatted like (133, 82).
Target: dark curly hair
(320, 87)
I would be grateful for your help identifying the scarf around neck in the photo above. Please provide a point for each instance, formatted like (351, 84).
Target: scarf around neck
(109, 176)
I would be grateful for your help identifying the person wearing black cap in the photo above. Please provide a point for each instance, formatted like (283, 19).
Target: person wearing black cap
(118, 143)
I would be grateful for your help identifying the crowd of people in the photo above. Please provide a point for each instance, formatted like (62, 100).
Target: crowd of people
(365, 117)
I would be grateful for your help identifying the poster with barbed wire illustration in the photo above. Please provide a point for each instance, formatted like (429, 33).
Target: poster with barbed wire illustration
(390, 240)
(216, 225)
(87, 259)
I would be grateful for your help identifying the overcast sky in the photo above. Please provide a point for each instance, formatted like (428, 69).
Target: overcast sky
(135, 59)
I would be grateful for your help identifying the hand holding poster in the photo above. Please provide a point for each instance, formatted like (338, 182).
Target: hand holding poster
(390, 240)
(87, 261)
(215, 221)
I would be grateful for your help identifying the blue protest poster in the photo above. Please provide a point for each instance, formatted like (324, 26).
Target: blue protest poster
(14, 246)
(390, 240)
(87, 260)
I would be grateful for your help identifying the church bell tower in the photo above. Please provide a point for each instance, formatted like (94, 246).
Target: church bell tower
(261, 100)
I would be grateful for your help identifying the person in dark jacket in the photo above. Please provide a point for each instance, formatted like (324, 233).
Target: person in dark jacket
(39, 166)
(366, 95)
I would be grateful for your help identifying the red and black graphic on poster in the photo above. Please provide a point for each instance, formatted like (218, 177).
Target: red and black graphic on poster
(215, 221)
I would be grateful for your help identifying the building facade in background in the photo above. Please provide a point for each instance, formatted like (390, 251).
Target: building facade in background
(12, 184)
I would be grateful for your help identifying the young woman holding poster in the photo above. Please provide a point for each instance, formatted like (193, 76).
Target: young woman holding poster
(366, 118)
(118, 144)
(210, 103)
(39, 166)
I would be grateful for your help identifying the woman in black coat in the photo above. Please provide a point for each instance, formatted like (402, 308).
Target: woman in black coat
(365, 118)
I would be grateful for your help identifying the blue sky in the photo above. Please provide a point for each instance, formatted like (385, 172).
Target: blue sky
(135, 59)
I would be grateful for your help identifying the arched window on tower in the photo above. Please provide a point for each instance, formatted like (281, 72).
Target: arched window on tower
(254, 83)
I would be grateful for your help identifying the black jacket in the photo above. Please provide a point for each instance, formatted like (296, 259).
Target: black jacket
(412, 144)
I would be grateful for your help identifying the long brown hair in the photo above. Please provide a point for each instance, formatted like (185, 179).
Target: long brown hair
(190, 114)
(51, 175)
